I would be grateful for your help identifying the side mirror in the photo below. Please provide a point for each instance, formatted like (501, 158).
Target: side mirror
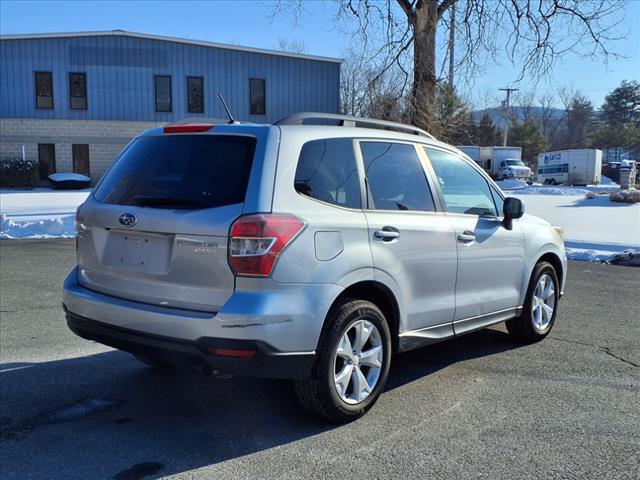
(513, 208)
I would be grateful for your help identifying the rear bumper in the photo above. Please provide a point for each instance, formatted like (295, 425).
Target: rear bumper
(267, 361)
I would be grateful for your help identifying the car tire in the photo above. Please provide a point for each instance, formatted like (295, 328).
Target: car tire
(325, 393)
(540, 306)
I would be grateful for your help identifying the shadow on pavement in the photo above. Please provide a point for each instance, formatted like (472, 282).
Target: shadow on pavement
(106, 409)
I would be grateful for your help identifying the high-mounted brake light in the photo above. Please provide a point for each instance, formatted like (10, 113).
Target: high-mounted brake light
(257, 240)
(188, 128)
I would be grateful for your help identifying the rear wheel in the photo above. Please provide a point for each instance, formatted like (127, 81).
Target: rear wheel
(540, 307)
(354, 355)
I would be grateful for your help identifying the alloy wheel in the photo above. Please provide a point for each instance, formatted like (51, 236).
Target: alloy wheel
(543, 302)
(358, 362)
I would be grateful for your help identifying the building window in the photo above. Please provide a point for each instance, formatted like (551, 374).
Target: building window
(46, 160)
(257, 96)
(44, 90)
(78, 91)
(80, 153)
(163, 93)
(195, 95)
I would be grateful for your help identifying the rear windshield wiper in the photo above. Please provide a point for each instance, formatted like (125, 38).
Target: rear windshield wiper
(166, 201)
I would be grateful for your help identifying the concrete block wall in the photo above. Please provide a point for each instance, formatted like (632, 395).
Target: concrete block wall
(105, 139)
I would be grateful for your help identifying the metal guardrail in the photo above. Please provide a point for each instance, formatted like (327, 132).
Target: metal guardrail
(349, 121)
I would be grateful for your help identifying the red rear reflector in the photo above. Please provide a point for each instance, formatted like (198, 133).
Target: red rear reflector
(257, 240)
(232, 352)
(191, 127)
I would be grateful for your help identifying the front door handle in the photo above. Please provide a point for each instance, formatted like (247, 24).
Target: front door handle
(387, 234)
(466, 237)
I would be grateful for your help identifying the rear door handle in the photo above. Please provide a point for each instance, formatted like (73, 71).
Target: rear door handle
(466, 237)
(387, 234)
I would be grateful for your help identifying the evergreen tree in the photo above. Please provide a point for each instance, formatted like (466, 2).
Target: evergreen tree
(528, 136)
(622, 106)
(620, 126)
(487, 133)
(579, 122)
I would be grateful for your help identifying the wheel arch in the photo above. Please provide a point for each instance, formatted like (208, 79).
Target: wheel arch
(378, 294)
(553, 259)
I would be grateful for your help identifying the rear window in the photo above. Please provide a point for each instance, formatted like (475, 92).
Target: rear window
(180, 171)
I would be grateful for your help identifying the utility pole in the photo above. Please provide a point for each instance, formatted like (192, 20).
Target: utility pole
(506, 114)
(452, 38)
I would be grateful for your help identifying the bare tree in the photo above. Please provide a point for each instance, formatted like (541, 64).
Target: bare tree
(532, 34)
(291, 46)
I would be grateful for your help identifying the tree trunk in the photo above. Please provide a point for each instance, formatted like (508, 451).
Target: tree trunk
(423, 98)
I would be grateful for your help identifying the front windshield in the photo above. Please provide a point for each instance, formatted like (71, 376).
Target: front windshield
(517, 163)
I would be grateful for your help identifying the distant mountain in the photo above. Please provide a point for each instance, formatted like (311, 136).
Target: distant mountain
(497, 113)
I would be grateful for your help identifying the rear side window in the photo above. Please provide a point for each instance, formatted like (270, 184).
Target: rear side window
(327, 171)
(180, 171)
(395, 177)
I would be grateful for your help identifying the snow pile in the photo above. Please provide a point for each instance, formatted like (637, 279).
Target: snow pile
(39, 213)
(67, 176)
(595, 229)
(600, 253)
(551, 190)
(44, 226)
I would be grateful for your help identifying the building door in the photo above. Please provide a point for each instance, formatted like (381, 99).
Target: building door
(46, 160)
(81, 159)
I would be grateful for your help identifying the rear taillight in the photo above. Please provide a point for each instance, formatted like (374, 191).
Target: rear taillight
(257, 240)
(188, 128)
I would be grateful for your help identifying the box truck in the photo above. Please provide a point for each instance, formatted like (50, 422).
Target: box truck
(499, 162)
(574, 167)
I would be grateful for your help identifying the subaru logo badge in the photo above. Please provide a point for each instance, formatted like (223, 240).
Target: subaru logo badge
(128, 219)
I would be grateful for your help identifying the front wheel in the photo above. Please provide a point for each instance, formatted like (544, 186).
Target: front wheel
(541, 305)
(354, 355)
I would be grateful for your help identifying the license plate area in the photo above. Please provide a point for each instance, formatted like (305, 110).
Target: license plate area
(139, 252)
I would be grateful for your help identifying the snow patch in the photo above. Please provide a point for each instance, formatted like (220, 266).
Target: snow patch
(512, 184)
(39, 213)
(64, 177)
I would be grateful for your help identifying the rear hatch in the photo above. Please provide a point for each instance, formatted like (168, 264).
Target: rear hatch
(155, 229)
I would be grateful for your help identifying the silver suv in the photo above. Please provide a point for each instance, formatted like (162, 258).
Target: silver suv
(308, 252)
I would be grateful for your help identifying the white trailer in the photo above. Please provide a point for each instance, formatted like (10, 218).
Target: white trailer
(472, 151)
(574, 167)
(499, 162)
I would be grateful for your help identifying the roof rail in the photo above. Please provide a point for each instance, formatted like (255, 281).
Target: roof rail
(349, 121)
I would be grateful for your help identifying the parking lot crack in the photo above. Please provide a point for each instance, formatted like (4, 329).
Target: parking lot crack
(606, 350)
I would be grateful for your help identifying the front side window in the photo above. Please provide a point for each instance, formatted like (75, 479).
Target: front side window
(195, 95)
(497, 199)
(257, 96)
(44, 90)
(78, 91)
(327, 171)
(163, 93)
(395, 177)
(465, 190)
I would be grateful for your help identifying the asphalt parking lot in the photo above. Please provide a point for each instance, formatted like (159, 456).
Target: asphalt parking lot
(480, 406)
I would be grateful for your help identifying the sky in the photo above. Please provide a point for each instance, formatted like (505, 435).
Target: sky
(252, 23)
